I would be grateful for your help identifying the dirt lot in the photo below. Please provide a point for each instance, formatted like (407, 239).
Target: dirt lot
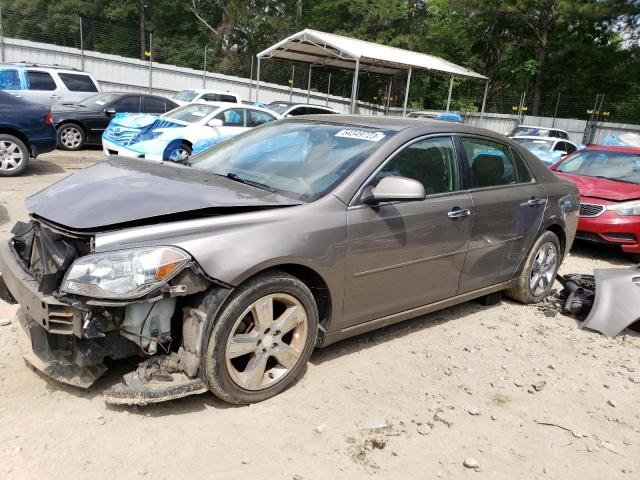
(518, 394)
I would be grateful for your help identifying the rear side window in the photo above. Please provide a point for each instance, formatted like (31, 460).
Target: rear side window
(432, 162)
(257, 118)
(40, 81)
(315, 111)
(77, 82)
(492, 164)
(233, 117)
(153, 105)
(9, 79)
(217, 97)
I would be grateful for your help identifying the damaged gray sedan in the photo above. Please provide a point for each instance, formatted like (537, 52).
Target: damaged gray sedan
(225, 273)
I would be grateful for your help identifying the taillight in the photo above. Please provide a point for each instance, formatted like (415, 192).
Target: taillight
(47, 119)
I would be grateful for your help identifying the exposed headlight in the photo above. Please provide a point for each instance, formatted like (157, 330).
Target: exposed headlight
(626, 208)
(123, 274)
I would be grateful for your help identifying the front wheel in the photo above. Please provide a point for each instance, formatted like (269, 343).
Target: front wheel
(177, 152)
(262, 339)
(539, 271)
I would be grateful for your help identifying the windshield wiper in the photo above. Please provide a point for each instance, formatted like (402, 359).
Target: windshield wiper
(236, 178)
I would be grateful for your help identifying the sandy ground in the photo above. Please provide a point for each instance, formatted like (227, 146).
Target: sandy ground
(518, 394)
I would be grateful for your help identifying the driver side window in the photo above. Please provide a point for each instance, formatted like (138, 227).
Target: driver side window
(432, 162)
(233, 117)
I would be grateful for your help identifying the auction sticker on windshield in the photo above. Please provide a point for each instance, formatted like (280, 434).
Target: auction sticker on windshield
(361, 135)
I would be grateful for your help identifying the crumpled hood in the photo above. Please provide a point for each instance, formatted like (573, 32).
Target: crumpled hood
(602, 188)
(121, 190)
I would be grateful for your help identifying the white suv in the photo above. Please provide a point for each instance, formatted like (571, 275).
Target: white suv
(200, 95)
(47, 84)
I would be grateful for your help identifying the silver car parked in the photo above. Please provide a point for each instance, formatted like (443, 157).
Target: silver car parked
(226, 272)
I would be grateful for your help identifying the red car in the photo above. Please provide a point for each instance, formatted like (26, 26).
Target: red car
(609, 182)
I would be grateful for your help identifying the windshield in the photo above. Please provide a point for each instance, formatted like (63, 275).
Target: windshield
(191, 113)
(300, 160)
(530, 132)
(186, 95)
(99, 100)
(278, 107)
(620, 166)
(529, 144)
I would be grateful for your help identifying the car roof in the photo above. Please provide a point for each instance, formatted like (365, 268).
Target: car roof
(397, 124)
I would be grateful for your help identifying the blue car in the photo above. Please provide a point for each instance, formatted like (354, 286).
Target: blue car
(26, 131)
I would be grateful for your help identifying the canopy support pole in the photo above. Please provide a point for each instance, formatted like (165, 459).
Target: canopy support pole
(484, 99)
(309, 85)
(328, 89)
(354, 87)
(386, 108)
(406, 92)
(258, 80)
(450, 91)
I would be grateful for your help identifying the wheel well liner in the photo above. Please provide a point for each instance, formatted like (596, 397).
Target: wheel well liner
(559, 232)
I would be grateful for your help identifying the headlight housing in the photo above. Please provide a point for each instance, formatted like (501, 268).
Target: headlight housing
(626, 208)
(124, 274)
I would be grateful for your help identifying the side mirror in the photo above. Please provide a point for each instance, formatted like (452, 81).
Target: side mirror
(215, 122)
(561, 152)
(395, 189)
(110, 112)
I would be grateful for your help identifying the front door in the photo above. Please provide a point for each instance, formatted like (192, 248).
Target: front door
(508, 209)
(402, 255)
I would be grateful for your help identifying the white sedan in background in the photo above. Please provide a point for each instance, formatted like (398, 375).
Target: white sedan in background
(194, 95)
(548, 149)
(181, 132)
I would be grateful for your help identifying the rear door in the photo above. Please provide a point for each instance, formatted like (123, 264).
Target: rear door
(402, 255)
(43, 88)
(508, 208)
(257, 118)
(153, 105)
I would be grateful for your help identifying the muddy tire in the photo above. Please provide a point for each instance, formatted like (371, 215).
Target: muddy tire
(539, 271)
(262, 339)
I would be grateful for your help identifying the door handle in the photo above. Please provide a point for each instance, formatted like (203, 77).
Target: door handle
(534, 202)
(458, 213)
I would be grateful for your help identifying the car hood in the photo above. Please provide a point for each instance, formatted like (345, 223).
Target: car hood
(603, 188)
(121, 192)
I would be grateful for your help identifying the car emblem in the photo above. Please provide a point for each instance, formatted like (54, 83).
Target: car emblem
(117, 130)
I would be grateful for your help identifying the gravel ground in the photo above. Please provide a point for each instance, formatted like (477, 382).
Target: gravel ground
(499, 392)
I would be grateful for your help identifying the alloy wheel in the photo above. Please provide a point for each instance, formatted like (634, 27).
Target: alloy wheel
(543, 269)
(267, 341)
(178, 155)
(71, 137)
(10, 156)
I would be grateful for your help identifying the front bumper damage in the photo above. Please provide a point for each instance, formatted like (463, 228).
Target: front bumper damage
(69, 338)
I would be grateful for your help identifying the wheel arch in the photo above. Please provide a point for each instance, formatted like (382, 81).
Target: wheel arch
(18, 134)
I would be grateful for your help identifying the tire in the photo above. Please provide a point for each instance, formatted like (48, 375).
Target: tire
(14, 156)
(523, 291)
(177, 151)
(71, 137)
(258, 366)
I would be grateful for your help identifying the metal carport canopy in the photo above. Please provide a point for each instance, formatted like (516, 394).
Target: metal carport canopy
(330, 50)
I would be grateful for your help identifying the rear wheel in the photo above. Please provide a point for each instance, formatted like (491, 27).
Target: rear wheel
(177, 152)
(262, 340)
(14, 156)
(539, 271)
(70, 136)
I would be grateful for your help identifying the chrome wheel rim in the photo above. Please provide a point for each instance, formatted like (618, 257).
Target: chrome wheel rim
(10, 156)
(544, 269)
(178, 155)
(71, 137)
(266, 341)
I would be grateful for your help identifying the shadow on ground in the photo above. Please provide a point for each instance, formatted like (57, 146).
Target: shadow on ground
(606, 253)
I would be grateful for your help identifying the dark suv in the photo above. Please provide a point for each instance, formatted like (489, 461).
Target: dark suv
(226, 271)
